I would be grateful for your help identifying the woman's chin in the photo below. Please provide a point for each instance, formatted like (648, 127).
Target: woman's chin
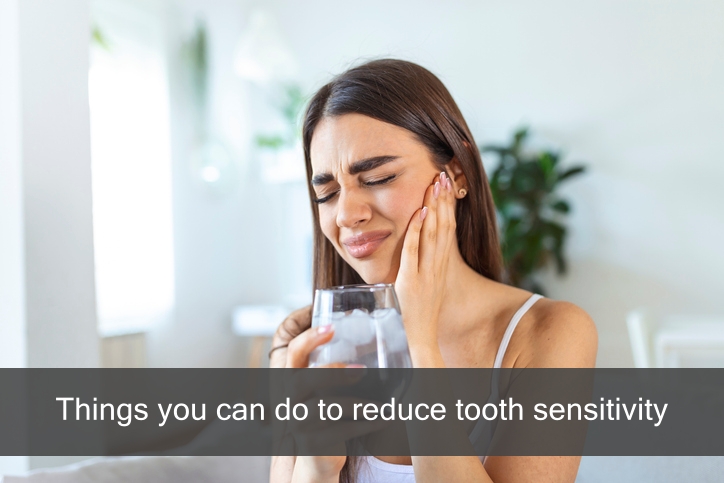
(372, 275)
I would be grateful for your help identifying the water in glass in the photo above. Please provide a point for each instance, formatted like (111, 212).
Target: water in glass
(368, 327)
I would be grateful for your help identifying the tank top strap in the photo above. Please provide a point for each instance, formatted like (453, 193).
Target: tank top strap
(511, 328)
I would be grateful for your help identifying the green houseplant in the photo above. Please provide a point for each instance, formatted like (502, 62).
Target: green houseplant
(531, 214)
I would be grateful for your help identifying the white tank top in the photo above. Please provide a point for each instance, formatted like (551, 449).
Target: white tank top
(373, 470)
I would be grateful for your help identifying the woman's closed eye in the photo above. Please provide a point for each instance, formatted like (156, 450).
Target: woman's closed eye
(376, 182)
(372, 182)
(324, 199)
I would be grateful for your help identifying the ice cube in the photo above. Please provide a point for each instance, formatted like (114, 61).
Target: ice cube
(326, 318)
(358, 313)
(382, 313)
(391, 329)
(356, 328)
(339, 351)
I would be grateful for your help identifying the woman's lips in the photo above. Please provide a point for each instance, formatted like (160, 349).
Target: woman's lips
(365, 244)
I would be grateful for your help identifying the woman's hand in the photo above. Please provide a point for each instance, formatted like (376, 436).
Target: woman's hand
(318, 468)
(422, 277)
(296, 340)
(292, 343)
(296, 323)
(282, 469)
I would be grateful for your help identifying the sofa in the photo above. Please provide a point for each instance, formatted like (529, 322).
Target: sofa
(253, 469)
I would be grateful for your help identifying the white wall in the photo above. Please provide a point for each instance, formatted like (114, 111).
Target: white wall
(47, 295)
(632, 87)
(220, 259)
(59, 281)
(12, 296)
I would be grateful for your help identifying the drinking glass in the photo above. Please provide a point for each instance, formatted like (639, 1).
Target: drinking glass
(368, 327)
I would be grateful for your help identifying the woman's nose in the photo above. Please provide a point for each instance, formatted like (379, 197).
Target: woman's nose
(352, 209)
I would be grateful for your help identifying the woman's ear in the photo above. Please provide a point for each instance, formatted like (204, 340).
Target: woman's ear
(457, 176)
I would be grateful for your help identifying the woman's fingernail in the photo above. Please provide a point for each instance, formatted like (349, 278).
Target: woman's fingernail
(423, 213)
(325, 329)
(442, 176)
(436, 189)
(449, 184)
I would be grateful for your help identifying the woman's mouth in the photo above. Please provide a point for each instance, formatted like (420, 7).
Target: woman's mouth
(365, 244)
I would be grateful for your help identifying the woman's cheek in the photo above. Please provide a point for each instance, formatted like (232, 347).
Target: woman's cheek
(400, 204)
(328, 224)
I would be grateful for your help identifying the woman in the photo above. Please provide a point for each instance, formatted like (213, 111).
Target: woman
(399, 196)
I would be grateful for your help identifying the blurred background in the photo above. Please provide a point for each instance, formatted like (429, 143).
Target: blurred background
(153, 183)
(153, 208)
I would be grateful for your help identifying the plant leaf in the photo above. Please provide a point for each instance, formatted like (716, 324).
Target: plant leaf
(99, 39)
(546, 163)
(272, 142)
(519, 138)
(561, 206)
(493, 148)
(570, 172)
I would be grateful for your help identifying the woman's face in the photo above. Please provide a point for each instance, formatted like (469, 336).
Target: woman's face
(369, 178)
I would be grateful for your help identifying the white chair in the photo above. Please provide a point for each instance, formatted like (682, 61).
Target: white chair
(677, 341)
(640, 336)
(690, 341)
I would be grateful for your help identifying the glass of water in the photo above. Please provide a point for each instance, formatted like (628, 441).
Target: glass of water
(368, 327)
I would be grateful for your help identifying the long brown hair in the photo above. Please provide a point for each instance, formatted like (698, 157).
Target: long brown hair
(409, 96)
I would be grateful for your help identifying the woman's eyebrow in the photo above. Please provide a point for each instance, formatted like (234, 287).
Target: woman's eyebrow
(370, 164)
(357, 167)
(322, 178)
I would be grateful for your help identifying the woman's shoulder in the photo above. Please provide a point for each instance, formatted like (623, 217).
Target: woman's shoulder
(552, 333)
(559, 334)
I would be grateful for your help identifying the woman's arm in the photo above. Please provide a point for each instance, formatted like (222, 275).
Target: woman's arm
(282, 469)
(561, 335)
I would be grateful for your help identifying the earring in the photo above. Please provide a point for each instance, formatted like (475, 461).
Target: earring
(462, 192)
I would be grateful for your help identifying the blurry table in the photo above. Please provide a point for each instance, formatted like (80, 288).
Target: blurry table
(258, 322)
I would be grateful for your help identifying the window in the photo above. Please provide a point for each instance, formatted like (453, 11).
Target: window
(131, 166)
